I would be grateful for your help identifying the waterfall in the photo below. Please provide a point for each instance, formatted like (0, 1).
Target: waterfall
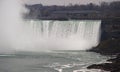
(39, 35)
(62, 35)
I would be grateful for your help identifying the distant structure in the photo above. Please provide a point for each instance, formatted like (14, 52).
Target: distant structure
(88, 14)
(106, 10)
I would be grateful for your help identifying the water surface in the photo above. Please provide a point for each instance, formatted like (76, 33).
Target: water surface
(53, 61)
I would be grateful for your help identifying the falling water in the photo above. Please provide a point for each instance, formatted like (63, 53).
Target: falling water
(64, 35)
(19, 34)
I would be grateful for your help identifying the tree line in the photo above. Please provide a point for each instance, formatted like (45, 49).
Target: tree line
(105, 8)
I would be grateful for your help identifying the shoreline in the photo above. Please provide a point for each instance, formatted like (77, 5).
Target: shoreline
(112, 66)
(108, 47)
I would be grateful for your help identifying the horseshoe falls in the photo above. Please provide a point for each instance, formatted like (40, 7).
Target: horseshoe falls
(60, 35)
(43, 35)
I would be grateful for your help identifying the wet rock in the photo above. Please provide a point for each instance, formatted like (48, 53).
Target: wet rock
(112, 67)
(108, 47)
(104, 66)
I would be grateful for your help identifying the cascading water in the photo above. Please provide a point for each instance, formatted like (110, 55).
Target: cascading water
(17, 34)
(64, 35)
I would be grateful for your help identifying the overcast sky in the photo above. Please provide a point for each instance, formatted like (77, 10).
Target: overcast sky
(65, 2)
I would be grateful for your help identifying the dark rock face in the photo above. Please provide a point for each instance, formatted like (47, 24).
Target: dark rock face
(110, 29)
(112, 67)
(110, 47)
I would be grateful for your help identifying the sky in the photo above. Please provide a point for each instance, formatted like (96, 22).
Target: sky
(65, 2)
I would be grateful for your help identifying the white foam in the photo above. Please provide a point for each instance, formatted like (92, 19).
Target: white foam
(90, 70)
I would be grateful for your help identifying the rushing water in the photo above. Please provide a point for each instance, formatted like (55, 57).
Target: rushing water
(54, 61)
(42, 35)
(59, 35)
